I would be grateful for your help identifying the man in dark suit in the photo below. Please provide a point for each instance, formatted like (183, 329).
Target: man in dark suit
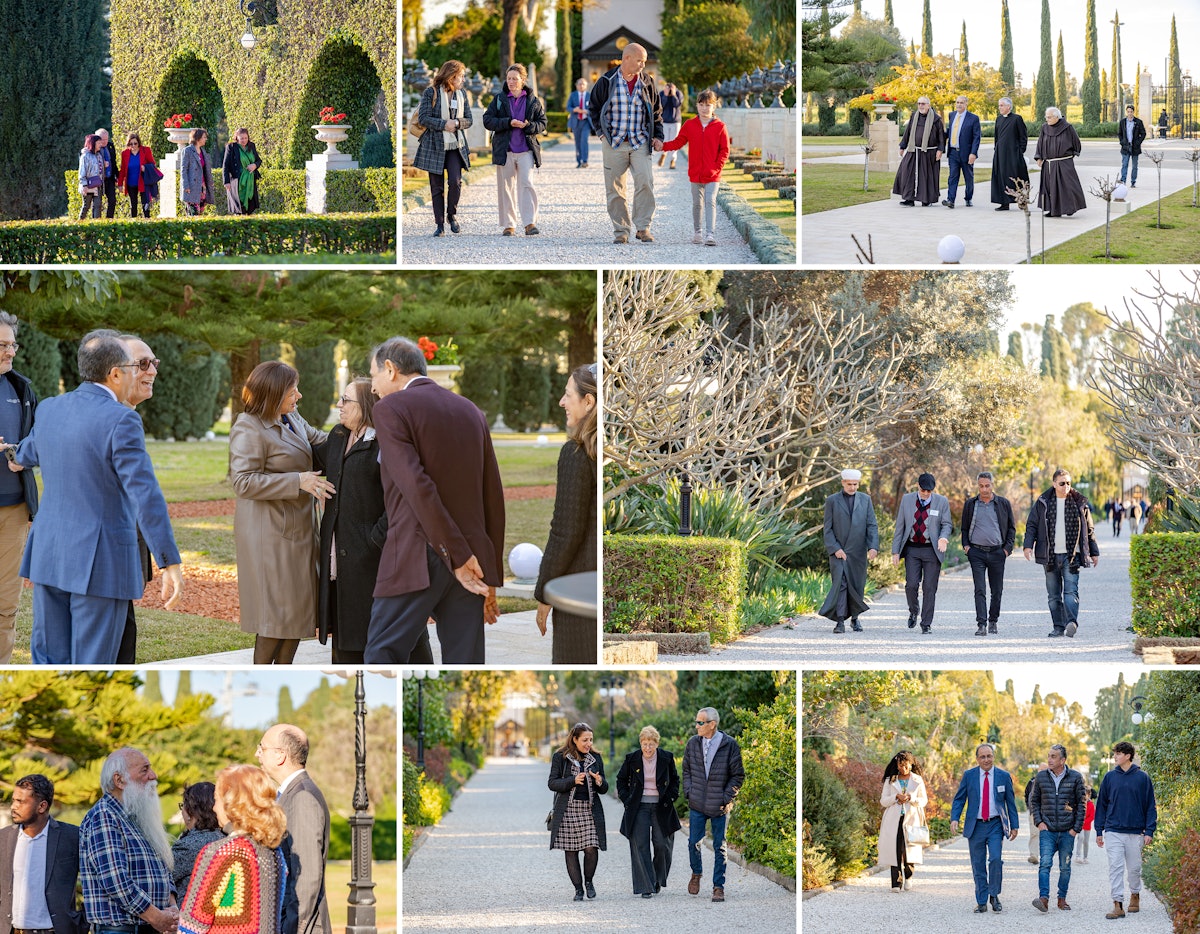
(962, 149)
(1132, 133)
(39, 864)
(991, 814)
(923, 528)
(445, 509)
(108, 155)
(99, 484)
(283, 754)
(851, 540)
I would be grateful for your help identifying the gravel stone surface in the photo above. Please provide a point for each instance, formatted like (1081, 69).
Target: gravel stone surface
(488, 867)
(574, 223)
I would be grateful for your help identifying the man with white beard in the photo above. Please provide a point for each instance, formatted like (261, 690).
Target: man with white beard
(125, 853)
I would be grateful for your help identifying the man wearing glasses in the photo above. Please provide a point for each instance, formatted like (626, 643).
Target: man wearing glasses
(99, 487)
(1060, 536)
(712, 777)
(18, 490)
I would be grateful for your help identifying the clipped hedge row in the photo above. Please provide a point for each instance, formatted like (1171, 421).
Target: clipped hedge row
(662, 583)
(1164, 574)
(383, 838)
(282, 191)
(128, 241)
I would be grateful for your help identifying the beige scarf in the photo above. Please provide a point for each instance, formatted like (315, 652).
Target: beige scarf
(924, 147)
(450, 140)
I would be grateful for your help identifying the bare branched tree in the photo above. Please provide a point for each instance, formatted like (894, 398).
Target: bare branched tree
(1151, 379)
(1104, 189)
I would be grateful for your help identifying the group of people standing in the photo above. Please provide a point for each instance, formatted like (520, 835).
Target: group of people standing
(102, 174)
(623, 108)
(1061, 815)
(1135, 510)
(1059, 535)
(648, 785)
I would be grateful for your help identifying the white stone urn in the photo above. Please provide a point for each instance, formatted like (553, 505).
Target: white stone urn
(882, 110)
(331, 134)
(444, 374)
(180, 135)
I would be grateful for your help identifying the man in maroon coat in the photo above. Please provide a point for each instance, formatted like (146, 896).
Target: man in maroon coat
(445, 508)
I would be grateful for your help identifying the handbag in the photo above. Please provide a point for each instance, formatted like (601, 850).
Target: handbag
(919, 835)
(415, 127)
(95, 181)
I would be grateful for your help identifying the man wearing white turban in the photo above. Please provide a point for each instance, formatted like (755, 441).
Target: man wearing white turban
(851, 539)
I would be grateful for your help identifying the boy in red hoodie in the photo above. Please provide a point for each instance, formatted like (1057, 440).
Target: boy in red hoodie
(706, 158)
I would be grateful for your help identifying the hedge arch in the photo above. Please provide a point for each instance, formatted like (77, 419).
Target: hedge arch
(188, 87)
(342, 77)
(262, 89)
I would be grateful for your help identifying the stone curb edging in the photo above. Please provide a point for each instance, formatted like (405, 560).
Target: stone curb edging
(419, 199)
(772, 875)
(874, 870)
(669, 643)
(765, 239)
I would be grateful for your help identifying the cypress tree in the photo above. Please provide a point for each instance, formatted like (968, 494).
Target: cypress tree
(1034, 113)
(184, 688)
(1045, 79)
(1174, 80)
(1016, 351)
(927, 33)
(51, 84)
(887, 13)
(1114, 73)
(1103, 94)
(1007, 71)
(912, 54)
(963, 54)
(563, 65)
(1060, 78)
(152, 688)
(1089, 91)
(858, 7)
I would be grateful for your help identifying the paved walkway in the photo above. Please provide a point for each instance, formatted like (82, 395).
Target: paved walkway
(574, 224)
(911, 235)
(942, 898)
(1105, 610)
(488, 867)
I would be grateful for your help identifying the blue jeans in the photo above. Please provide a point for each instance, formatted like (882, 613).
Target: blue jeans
(1063, 844)
(1125, 157)
(986, 847)
(696, 822)
(1062, 589)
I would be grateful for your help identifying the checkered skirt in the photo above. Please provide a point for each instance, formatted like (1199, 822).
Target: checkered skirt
(577, 831)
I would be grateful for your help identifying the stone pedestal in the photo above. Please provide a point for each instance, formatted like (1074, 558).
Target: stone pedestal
(168, 187)
(1145, 104)
(884, 135)
(754, 128)
(774, 134)
(315, 170)
(735, 122)
(793, 132)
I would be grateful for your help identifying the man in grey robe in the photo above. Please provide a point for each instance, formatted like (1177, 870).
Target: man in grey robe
(851, 539)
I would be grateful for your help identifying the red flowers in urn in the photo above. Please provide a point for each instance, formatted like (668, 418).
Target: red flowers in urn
(328, 117)
(177, 121)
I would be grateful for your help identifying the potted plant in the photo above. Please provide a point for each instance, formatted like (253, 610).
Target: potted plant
(441, 361)
(179, 129)
(884, 104)
(332, 129)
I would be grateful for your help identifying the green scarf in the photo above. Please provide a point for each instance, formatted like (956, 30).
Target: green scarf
(246, 179)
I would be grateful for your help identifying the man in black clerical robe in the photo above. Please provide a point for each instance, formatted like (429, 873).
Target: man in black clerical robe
(1008, 160)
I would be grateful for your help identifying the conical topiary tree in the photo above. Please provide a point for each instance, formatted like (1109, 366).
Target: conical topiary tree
(963, 54)
(1114, 73)
(1174, 79)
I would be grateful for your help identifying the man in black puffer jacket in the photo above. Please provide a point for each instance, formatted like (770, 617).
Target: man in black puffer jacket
(1058, 803)
(1060, 535)
(712, 776)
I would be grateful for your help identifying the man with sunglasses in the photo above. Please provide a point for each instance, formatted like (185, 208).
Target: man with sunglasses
(98, 488)
(712, 776)
(1060, 536)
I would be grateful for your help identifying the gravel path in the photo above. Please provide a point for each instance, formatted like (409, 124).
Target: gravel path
(1104, 616)
(488, 867)
(942, 898)
(574, 224)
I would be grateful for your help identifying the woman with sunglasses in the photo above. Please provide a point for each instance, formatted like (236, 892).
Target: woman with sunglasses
(132, 177)
(578, 782)
(353, 528)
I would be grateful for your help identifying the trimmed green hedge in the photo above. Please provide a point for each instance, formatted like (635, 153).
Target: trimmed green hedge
(282, 191)
(662, 583)
(383, 838)
(130, 241)
(1164, 574)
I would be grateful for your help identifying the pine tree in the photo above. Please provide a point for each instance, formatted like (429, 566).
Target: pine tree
(53, 54)
(927, 33)
(1008, 72)
(1089, 91)
(1060, 78)
(1174, 79)
(963, 54)
(1045, 79)
(887, 13)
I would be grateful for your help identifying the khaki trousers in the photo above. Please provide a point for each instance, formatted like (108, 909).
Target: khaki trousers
(638, 163)
(515, 177)
(14, 527)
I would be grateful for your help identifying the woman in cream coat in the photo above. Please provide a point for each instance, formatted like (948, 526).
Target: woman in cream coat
(904, 799)
(270, 464)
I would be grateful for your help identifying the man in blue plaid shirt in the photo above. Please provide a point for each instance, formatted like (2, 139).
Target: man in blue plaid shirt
(125, 853)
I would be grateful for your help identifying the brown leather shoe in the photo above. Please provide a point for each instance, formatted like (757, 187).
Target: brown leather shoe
(718, 893)
(1041, 904)
(1135, 903)
(620, 238)
(1062, 905)
(531, 230)
(508, 232)
(694, 884)
(1117, 912)
(645, 236)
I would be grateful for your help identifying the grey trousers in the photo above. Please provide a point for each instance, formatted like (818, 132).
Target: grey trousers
(921, 571)
(636, 162)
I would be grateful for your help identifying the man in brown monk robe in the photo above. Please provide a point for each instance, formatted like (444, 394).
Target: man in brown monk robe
(924, 140)
(1057, 146)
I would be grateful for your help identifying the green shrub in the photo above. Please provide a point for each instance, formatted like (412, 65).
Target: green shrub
(817, 868)
(836, 129)
(40, 360)
(383, 838)
(410, 787)
(783, 594)
(526, 395)
(835, 817)
(1100, 129)
(1164, 573)
(377, 152)
(318, 376)
(435, 801)
(1172, 860)
(880, 571)
(133, 241)
(187, 398)
(409, 836)
(482, 381)
(556, 121)
(656, 583)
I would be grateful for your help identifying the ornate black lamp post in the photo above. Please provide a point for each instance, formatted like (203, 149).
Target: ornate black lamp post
(360, 917)
(248, 8)
(1137, 703)
(612, 688)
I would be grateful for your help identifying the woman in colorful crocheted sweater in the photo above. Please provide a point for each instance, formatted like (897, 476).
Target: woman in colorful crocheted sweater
(238, 884)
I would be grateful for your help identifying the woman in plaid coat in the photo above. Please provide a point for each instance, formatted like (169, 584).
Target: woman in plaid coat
(443, 151)
(578, 782)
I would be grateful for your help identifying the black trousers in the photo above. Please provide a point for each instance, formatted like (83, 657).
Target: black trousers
(446, 186)
(987, 570)
(110, 195)
(903, 868)
(650, 869)
(134, 195)
(921, 572)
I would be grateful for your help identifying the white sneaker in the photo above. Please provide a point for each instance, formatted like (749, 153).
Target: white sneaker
(907, 885)
(710, 240)
(698, 237)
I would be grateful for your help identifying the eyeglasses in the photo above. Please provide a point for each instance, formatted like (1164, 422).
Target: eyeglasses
(344, 400)
(702, 722)
(6, 346)
(144, 364)
(275, 748)
(181, 805)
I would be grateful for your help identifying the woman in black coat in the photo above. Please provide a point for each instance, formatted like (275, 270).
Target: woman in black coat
(578, 782)
(650, 817)
(571, 547)
(516, 118)
(241, 158)
(354, 520)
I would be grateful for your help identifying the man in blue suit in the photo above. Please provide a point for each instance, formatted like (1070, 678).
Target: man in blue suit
(98, 489)
(962, 149)
(578, 122)
(991, 814)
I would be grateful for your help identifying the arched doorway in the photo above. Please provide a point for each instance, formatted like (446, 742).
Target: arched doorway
(188, 87)
(342, 76)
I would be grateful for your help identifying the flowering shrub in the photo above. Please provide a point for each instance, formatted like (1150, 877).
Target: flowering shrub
(329, 117)
(177, 121)
(444, 354)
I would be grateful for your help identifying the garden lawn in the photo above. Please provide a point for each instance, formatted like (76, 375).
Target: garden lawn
(828, 187)
(1135, 239)
(526, 520)
(526, 465)
(191, 470)
(766, 202)
(337, 881)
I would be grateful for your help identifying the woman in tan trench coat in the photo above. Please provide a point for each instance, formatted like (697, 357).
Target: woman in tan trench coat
(270, 464)
(904, 799)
